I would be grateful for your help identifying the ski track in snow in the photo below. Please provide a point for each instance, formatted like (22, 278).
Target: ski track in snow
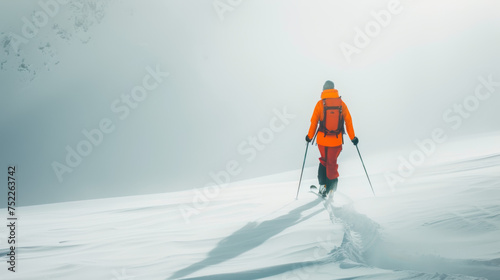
(477, 179)
(444, 224)
(363, 246)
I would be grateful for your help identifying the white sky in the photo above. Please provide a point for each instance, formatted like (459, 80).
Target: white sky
(226, 79)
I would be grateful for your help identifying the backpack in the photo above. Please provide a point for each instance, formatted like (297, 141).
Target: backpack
(333, 119)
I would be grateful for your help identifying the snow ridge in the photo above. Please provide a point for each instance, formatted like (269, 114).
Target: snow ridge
(359, 235)
(363, 246)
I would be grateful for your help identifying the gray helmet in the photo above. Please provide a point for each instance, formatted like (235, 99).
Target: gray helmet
(328, 85)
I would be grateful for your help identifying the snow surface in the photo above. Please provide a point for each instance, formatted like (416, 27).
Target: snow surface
(443, 223)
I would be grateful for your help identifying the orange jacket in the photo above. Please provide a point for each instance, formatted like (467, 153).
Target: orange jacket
(329, 140)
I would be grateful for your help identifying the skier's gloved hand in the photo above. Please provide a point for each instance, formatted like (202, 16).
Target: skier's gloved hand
(355, 141)
(308, 139)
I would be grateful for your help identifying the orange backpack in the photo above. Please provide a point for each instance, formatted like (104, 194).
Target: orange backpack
(333, 119)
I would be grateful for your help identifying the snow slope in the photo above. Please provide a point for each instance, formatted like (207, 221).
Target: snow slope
(443, 223)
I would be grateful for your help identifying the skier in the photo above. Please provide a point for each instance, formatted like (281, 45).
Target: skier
(331, 113)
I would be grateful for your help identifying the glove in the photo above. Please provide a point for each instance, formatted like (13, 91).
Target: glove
(308, 139)
(355, 141)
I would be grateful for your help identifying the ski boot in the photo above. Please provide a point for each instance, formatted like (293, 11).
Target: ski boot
(322, 191)
(331, 187)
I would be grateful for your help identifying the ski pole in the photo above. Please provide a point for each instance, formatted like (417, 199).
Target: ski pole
(302, 172)
(365, 170)
(314, 138)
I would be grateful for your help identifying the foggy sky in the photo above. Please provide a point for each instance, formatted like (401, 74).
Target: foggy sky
(227, 79)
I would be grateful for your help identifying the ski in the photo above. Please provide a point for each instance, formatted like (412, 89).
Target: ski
(317, 194)
(313, 189)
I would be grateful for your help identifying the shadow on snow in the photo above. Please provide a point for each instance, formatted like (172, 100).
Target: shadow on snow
(249, 237)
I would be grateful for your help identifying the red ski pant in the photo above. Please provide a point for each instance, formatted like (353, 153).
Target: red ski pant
(328, 159)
